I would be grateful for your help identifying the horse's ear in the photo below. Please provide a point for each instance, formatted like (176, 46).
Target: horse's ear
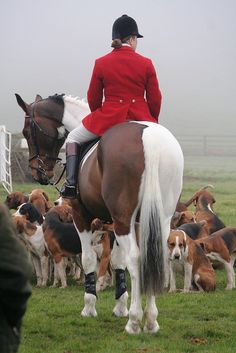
(38, 98)
(22, 104)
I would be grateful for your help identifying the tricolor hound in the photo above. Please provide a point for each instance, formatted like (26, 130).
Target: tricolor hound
(187, 257)
(221, 246)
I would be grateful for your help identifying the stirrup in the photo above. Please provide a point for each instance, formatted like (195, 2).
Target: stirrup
(69, 192)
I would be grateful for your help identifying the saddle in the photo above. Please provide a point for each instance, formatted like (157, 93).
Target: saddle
(86, 147)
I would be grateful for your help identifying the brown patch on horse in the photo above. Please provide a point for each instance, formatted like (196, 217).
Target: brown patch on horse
(102, 177)
(119, 189)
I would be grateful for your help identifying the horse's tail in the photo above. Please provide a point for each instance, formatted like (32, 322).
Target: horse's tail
(159, 194)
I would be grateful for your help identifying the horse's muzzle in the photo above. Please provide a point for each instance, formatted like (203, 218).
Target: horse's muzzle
(42, 181)
(42, 178)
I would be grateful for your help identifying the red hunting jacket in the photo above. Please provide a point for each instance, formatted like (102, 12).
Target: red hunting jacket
(130, 87)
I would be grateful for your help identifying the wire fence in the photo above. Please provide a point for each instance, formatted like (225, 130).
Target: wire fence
(208, 145)
(192, 145)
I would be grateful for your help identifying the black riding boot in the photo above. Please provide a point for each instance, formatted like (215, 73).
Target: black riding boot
(72, 164)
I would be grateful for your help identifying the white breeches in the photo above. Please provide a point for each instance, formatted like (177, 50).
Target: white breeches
(80, 135)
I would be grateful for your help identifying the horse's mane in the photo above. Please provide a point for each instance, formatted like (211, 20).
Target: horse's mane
(76, 100)
(61, 98)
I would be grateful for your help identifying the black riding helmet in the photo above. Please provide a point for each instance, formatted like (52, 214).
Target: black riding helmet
(123, 27)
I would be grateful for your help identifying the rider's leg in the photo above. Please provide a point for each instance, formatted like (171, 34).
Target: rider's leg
(76, 137)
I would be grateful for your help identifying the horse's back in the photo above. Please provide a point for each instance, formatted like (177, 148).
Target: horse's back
(113, 172)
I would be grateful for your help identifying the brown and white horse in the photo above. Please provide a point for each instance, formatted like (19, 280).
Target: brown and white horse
(133, 173)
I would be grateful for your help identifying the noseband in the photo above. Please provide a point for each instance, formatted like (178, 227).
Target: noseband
(34, 127)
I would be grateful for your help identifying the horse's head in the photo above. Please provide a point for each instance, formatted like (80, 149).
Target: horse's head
(45, 135)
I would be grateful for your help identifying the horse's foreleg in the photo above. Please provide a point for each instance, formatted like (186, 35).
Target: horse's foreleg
(89, 262)
(129, 246)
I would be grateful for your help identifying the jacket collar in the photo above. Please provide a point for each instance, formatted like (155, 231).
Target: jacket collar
(124, 48)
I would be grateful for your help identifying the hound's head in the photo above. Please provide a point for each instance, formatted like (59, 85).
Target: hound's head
(181, 218)
(30, 212)
(64, 212)
(24, 226)
(203, 198)
(40, 199)
(177, 245)
(15, 199)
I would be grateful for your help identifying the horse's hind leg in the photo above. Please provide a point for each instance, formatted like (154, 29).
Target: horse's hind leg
(118, 263)
(150, 314)
(128, 245)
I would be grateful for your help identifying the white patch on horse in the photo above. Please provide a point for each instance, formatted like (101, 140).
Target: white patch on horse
(61, 132)
(74, 111)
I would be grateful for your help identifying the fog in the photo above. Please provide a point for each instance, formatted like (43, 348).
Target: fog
(50, 47)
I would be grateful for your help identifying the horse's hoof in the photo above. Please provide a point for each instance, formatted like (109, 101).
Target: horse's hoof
(54, 285)
(120, 313)
(89, 313)
(151, 328)
(132, 328)
(120, 309)
(89, 309)
(229, 288)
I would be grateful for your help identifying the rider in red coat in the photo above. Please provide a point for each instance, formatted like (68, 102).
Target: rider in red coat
(128, 84)
(125, 77)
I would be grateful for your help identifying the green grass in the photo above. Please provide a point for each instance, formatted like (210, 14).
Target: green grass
(189, 323)
(202, 322)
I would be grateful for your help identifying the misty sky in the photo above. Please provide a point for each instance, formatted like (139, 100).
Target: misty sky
(50, 46)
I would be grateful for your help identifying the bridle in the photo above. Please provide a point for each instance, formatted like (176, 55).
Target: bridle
(34, 127)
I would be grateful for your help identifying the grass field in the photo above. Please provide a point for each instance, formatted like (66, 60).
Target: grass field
(189, 323)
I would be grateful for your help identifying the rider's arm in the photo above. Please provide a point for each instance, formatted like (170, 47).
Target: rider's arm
(153, 93)
(95, 91)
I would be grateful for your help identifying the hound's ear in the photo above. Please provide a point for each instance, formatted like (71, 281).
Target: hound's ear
(185, 241)
(22, 104)
(38, 98)
(45, 195)
(19, 225)
(182, 215)
(202, 245)
(30, 228)
(202, 222)
(48, 205)
(177, 215)
(96, 224)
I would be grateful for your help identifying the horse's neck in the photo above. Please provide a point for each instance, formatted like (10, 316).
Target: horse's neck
(74, 111)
